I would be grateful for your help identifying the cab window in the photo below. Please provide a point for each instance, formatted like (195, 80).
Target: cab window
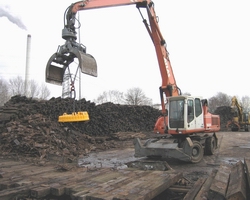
(190, 110)
(198, 109)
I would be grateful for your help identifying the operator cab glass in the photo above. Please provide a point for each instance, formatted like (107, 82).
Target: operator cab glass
(190, 110)
(185, 112)
(176, 113)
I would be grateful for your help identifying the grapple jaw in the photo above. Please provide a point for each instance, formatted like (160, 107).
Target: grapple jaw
(60, 60)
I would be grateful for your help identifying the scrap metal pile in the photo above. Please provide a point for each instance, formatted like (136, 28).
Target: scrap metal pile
(29, 127)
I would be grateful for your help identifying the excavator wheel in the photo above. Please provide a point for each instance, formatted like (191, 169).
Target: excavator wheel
(210, 145)
(195, 151)
(235, 129)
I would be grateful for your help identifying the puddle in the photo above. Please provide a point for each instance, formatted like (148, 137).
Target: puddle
(109, 159)
(245, 146)
(231, 160)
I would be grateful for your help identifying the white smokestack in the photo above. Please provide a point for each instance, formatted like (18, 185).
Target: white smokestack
(27, 64)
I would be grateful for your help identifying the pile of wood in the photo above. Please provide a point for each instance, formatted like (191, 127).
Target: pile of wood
(23, 181)
(104, 118)
(226, 183)
(29, 127)
(225, 113)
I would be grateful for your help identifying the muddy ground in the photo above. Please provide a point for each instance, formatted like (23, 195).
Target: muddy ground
(233, 147)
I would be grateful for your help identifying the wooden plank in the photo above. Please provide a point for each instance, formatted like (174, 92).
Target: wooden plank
(40, 191)
(247, 168)
(179, 188)
(7, 184)
(203, 193)
(195, 189)
(15, 178)
(10, 163)
(57, 189)
(220, 183)
(23, 183)
(90, 189)
(147, 187)
(13, 194)
(129, 184)
(39, 176)
(237, 183)
(160, 186)
(83, 181)
(132, 187)
(17, 173)
(104, 183)
(97, 188)
(122, 178)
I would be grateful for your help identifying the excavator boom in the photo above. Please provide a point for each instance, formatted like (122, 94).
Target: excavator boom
(94, 4)
(66, 53)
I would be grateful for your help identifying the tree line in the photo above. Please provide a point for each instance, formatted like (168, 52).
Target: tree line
(222, 99)
(133, 96)
(18, 86)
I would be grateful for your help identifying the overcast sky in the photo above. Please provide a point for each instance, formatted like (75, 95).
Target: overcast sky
(208, 42)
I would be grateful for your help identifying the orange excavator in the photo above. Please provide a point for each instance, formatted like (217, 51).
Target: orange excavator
(189, 129)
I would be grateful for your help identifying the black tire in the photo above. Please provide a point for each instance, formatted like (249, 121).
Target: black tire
(234, 127)
(210, 145)
(196, 152)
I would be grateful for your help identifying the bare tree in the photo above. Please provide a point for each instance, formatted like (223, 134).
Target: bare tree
(245, 102)
(33, 89)
(135, 96)
(16, 86)
(44, 91)
(220, 99)
(4, 93)
(113, 96)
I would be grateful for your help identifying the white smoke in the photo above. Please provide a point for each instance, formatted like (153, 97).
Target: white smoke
(5, 12)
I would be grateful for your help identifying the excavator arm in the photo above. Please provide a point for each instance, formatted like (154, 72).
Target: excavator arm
(236, 104)
(66, 53)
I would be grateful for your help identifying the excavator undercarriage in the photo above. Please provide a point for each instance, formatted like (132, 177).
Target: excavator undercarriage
(188, 149)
